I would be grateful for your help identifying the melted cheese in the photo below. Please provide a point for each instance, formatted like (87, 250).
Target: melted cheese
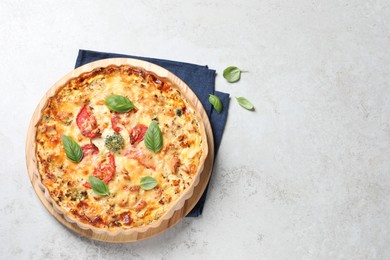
(128, 205)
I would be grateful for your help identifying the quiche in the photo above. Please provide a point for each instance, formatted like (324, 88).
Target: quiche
(118, 147)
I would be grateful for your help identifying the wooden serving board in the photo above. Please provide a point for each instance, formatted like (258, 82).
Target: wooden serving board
(180, 213)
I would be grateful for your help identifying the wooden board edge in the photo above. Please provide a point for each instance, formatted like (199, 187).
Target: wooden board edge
(178, 214)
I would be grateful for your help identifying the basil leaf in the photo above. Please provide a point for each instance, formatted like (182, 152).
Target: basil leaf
(148, 183)
(72, 149)
(119, 103)
(232, 74)
(245, 103)
(98, 186)
(216, 102)
(153, 137)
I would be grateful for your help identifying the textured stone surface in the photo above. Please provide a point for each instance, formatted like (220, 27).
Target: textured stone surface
(305, 176)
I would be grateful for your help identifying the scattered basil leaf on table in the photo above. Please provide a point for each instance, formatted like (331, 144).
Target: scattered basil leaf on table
(153, 137)
(232, 74)
(98, 186)
(72, 149)
(245, 103)
(119, 103)
(216, 102)
(148, 183)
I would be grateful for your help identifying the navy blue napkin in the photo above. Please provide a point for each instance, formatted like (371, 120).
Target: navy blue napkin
(200, 79)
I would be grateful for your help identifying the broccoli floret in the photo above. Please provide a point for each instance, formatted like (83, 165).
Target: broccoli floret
(114, 142)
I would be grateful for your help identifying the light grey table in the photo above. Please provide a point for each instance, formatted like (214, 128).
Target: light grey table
(305, 176)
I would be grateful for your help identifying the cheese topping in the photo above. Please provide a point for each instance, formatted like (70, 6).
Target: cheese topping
(78, 110)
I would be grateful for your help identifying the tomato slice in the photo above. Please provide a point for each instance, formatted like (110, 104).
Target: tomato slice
(106, 170)
(115, 120)
(86, 122)
(89, 149)
(137, 133)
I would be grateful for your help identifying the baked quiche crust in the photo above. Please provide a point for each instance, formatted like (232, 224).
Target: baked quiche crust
(78, 110)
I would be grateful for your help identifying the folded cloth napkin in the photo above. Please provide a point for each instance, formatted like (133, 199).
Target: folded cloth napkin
(199, 78)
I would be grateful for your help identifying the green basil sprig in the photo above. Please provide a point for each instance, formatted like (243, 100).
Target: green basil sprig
(216, 102)
(148, 183)
(72, 149)
(99, 186)
(153, 137)
(232, 74)
(119, 103)
(245, 103)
